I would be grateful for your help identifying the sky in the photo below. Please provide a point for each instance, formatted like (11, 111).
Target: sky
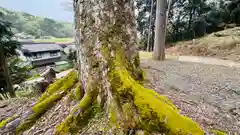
(54, 9)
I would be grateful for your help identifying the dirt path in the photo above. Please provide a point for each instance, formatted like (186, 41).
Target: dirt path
(208, 60)
(209, 94)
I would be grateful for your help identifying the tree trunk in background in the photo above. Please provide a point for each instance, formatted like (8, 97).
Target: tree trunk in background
(7, 78)
(150, 28)
(160, 36)
(167, 14)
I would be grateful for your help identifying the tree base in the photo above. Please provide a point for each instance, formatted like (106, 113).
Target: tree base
(132, 110)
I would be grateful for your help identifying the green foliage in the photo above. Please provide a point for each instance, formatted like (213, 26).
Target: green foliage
(8, 48)
(37, 26)
(72, 56)
(189, 19)
(18, 71)
(6, 37)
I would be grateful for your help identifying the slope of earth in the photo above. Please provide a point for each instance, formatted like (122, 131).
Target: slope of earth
(17, 106)
(208, 94)
(224, 45)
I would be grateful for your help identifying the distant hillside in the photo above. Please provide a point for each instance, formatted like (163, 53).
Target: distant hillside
(37, 26)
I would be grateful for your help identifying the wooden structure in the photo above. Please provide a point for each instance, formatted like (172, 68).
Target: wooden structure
(49, 74)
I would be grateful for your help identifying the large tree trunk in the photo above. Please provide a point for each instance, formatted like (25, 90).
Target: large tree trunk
(110, 79)
(160, 30)
(3, 65)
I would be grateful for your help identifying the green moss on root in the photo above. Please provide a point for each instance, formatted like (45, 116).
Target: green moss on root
(157, 113)
(80, 115)
(113, 122)
(4, 122)
(46, 103)
(218, 132)
(57, 86)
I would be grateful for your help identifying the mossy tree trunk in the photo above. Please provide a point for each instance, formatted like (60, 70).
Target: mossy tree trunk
(110, 79)
(105, 30)
(110, 70)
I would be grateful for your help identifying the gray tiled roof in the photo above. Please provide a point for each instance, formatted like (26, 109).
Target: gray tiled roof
(40, 47)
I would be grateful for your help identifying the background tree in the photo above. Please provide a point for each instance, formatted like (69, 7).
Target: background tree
(72, 55)
(189, 19)
(160, 30)
(17, 70)
(7, 49)
(143, 19)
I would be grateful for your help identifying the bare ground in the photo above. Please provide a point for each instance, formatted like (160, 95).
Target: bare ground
(10, 107)
(208, 94)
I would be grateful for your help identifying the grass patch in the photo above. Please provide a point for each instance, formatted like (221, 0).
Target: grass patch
(63, 67)
(148, 55)
(34, 77)
(54, 40)
(27, 93)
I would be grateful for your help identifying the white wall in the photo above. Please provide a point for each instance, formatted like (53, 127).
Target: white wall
(46, 55)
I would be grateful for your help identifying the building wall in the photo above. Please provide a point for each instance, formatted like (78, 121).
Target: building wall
(45, 55)
(45, 58)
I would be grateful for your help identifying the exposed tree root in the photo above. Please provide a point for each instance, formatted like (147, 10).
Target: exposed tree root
(54, 93)
(132, 109)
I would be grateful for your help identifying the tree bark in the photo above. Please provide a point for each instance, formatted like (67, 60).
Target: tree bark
(167, 14)
(7, 78)
(160, 30)
(150, 28)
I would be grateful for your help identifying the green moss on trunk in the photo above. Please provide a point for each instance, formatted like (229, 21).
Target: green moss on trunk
(78, 93)
(157, 113)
